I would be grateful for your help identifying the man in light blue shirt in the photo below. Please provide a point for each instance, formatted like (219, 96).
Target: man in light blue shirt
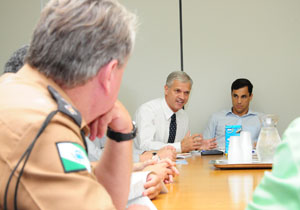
(239, 114)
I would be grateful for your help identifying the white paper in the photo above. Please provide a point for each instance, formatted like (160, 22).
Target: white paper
(138, 179)
(183, 155)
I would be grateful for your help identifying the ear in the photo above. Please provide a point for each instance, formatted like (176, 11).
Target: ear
(166, 89)
(106, 75)
(251, 96)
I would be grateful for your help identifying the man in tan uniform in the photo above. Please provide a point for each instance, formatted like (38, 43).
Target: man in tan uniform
(67, 88)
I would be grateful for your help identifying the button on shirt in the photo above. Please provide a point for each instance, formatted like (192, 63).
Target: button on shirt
(153, 120)
(216, 126)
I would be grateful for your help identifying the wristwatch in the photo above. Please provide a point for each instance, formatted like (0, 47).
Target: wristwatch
(155, 156)
(119, 137)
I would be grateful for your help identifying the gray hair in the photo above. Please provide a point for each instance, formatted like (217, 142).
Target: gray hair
(180, 76)
(16, 61)
(75, 38)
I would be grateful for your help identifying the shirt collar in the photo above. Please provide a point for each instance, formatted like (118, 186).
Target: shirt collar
(229, 112)
(166, 109)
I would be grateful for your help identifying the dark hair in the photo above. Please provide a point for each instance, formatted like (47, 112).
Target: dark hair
(16, 61)
(240, 83)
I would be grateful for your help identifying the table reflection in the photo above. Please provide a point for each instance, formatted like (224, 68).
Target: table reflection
(202, 186)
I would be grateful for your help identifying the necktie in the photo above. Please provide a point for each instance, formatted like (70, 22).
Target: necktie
(172, 129)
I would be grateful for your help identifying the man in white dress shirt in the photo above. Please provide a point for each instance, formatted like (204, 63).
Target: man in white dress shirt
(162, 122)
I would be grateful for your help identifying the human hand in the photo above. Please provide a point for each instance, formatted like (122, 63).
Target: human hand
(171, 173)
(117, 118)
(190, 143)
(167, 152)
(153, 185)
(208, 144)
(141, 165)
(165, 169)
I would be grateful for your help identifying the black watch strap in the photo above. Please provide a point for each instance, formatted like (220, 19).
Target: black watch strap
(119, 137)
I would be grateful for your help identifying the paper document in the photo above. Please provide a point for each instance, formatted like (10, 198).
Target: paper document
(181, 162)
(138, 179)
(183, 155)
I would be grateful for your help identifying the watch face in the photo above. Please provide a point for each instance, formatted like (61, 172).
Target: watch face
(155, 156)
(134, 130)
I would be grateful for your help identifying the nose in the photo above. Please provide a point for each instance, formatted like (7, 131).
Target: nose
(181, 95)
(239, 100)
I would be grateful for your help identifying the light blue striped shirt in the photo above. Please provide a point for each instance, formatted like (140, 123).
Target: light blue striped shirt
(216, 126)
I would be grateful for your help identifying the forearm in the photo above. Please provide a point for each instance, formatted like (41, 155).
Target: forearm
(114, 170)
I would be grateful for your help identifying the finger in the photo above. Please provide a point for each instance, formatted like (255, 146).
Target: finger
(153, 192)
(170, 179)
(169, 171)
(150, 162)
(214, 146)
(197, 143)
(102, 127)
(198, 147)
(149, 192)
(211, 140)
(175, 170)
(152, 180)
(148, 184)
(93, 129)
(174, 158)
(167, 161)
(195, 135)
(188, 134)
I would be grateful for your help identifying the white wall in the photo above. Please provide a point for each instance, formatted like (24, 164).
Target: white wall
(156, 53)
(17, 20)
(223, 40)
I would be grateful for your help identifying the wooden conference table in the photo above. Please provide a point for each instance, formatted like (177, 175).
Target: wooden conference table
(202, 186)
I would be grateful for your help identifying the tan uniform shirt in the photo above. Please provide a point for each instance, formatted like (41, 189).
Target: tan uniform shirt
(25, 103)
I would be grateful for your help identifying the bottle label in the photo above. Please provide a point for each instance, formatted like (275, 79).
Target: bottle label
(231, 130)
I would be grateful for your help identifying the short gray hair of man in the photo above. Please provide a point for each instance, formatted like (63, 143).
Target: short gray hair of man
(16, 61)
(180, 76)
(75, 38)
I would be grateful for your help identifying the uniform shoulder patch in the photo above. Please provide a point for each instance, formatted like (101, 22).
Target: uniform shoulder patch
(73, 157)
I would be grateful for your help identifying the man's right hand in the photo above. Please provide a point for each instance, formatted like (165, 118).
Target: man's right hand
(117, 118)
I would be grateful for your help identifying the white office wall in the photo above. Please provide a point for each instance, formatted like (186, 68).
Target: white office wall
(17, 20)
(156, 52)
(223, 40)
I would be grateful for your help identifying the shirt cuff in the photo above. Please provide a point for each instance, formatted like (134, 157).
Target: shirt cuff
(177, 146)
